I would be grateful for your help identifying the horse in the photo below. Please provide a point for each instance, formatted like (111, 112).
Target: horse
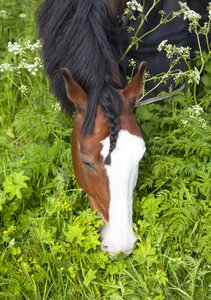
(82, 44)
(81, 56)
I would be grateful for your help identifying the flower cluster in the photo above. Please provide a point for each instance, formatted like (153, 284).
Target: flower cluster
(132, 7)
(161, 46)
(32, 68)
(6, 67)
(194, 76)
(3, 14)
(173, 51)
(57, 107)
(190, 15)
(132, 63)
(209, 10)
(135, 6)
(194, 113)
(191, 76)
(16, 48)
(23, 89)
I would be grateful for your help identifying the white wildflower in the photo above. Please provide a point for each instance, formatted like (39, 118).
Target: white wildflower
(174, 51)
(135, 6)
(6, 67)
(3, 14)
(209, 10)
(162, 45)
(194, 76)
(14, 48)
(57, 107)
(23, 16)
(184, 52)
(32, 46)
(191, 15)
(23, 89)
(130, 29)
(132, 63)
(31, 68)
(185, 123)
(195, 112)
(194, 117)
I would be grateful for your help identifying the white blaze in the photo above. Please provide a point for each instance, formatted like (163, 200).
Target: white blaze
(118, 235)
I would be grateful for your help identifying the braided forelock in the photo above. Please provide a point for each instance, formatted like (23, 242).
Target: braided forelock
(112, 105)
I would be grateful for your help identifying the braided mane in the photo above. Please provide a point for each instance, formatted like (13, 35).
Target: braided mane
(78, 35)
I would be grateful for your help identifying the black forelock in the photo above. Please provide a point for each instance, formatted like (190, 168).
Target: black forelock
(77, 34)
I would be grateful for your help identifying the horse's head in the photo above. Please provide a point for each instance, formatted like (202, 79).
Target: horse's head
(109, 186)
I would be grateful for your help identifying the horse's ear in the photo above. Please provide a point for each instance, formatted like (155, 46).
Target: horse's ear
(134, 90)
(74, 91)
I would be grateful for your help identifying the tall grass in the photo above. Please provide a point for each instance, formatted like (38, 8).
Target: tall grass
(49, 245)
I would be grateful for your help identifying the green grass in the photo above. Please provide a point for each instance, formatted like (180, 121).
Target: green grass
(49, 245)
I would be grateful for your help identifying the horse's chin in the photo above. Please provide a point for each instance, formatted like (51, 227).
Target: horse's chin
(115, 242)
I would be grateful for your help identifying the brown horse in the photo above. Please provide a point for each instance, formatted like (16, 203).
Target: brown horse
(106, 142)
(109, 187)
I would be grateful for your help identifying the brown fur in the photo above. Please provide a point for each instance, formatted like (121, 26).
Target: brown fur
(88, 148)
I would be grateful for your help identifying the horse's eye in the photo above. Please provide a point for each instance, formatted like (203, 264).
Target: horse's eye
(88, 165)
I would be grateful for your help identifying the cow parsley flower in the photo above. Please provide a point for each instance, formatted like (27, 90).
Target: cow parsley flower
(209, 10)
(194, 76)
(172, 51)
(132, 7)
(195, 110)
(135, 6)
(3, 14)
(190, 75)
(190, 15)
(162, 45)
(194, 114)
(6, 67)
(32, 46)
(23, 16)
(14, 48)
(23, 63)
(32, 68)
(132, 63)
(23, 89)
(185, 123)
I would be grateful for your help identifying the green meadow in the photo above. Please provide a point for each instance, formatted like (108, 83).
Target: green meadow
(49, 238)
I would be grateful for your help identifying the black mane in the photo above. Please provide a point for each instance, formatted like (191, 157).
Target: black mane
(79, 35)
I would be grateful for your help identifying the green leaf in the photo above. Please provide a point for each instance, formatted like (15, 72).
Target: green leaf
(2, 200)
(206, 79)
(75, 233)
(208, 67)
(14, 183)
(90, 275)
